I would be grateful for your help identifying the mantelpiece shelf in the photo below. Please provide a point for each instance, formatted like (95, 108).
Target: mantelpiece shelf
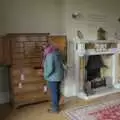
(96, 53)
(97, 41)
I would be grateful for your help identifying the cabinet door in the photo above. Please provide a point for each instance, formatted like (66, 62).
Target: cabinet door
(1, 51)
(6, 51)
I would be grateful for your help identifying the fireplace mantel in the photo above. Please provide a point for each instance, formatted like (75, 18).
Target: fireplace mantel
(102, 47)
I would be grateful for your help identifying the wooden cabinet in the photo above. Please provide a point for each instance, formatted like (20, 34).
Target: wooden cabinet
(5, 51)
(27, 82)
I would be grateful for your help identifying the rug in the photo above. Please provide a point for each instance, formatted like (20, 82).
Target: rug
(103, 111)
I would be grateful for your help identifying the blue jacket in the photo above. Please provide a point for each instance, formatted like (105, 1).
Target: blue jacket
(53, 67)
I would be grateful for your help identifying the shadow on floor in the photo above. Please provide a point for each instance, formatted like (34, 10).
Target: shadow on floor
(5, 110)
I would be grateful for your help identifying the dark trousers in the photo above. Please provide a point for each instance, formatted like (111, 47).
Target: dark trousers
(54, 88)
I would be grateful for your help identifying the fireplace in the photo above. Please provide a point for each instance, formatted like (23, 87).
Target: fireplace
(90, 83)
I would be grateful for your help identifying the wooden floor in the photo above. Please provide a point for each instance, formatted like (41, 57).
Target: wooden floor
(5, 110)
(39, 111)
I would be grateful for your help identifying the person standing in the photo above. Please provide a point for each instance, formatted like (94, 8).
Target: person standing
(54, 74)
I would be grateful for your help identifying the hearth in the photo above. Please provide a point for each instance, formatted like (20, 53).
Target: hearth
(98, 82)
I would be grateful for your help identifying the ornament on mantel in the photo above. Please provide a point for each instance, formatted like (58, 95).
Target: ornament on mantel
(119, 19)
(76, 15)
(101, 34)
(117, 35)
(80, 35)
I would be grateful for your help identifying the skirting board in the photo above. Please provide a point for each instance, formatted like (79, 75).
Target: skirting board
(4, 97)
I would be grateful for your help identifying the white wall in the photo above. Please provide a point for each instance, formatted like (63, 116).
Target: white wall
(2, 20)
(0, 17)
(108, 9)
(34, 16)
(55, 17)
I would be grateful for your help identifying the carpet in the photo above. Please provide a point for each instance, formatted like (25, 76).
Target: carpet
(103, 111)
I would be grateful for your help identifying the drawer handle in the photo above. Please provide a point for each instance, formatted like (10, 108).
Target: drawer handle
(36, 68)
(45, 89)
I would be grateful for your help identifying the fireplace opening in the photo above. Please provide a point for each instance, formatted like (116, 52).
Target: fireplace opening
(90, 72)
(93, 77)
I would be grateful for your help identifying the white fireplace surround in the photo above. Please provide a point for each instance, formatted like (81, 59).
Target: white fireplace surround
(79, 51)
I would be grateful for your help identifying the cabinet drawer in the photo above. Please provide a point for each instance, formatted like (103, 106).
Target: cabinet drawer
(26, 78)
(28, 81)
(26, 88)
(27, 71)
(22, 61)
(15, 44)
(28, 75)
(17, 56)
(31, 97)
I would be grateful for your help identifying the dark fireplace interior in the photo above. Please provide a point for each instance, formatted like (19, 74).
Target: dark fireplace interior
(93, 74)
(93, 68)
(94, 64)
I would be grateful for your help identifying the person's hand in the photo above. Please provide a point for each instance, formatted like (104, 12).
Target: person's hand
(65, 66)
